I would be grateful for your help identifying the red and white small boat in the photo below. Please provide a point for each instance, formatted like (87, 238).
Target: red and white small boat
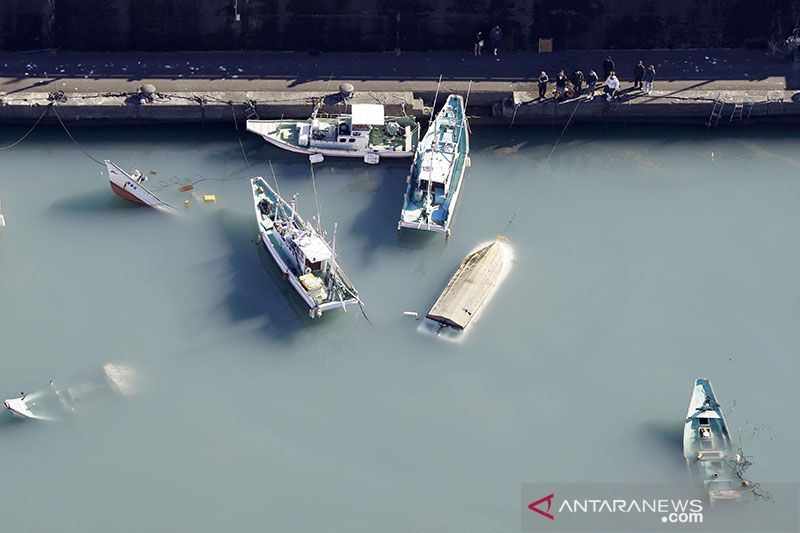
(131, 186)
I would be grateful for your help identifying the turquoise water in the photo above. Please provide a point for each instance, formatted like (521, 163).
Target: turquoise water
(644, 258)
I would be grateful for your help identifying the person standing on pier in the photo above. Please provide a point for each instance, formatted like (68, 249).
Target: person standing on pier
(649, 77)
(496, 37)
(543, 79)
(638, 75)
(608, 67)
(577, 81)
(478, 46)
(561, 85)
(591, 83)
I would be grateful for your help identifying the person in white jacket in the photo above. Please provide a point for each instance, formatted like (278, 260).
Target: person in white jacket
(612, 86)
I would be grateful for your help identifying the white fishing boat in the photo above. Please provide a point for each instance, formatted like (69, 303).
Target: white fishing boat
(437, 171)
(131, 186)
(306, 260)
(365, 132)
(707, 445)
(47, 404)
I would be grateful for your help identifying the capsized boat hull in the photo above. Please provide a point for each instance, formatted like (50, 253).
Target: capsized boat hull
(471, 285)
(126, 187)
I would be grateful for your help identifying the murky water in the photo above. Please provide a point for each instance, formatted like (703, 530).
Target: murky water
(644, 258)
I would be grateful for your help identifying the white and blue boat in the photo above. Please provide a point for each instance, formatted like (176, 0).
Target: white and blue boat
(306, 260)
(707, 445)
(438, 171)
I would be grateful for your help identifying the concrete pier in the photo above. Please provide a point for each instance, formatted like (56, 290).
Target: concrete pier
(196, 87)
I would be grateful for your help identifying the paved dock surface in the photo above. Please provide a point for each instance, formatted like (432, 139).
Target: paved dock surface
(739, 75)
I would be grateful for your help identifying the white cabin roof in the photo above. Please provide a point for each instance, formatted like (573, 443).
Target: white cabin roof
(435, 167)
(368, 114)
(313, 247)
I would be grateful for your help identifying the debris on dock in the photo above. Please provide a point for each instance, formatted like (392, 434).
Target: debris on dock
(471, 285)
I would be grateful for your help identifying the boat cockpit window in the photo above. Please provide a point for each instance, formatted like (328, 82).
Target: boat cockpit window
(703, 421)
(423, 184)
(315, 266)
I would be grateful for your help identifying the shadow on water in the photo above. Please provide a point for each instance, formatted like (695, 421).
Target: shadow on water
(258, 289)
(376, 224)
(101, 203)
(665, 439)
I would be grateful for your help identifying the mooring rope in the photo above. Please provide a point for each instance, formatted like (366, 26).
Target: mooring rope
(74, 141)
(239, 134)
(562, 133)
(12, 145)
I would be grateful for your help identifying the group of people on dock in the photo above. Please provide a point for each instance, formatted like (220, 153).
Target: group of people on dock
(572, 86)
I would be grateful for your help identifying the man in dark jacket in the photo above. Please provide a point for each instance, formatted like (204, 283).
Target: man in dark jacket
(561, 85)
(543, 79)
(608, 67)
(496, 37)
(638, 75)
(591, 82)
(577, 81)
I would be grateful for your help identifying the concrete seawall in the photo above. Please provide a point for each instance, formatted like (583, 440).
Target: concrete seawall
(519, 107)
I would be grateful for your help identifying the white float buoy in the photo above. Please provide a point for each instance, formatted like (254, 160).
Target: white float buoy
(412, 314)
(316, 158)
(372, 158)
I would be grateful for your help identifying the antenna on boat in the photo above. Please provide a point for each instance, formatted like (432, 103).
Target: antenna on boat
(435, 97)
(277, 189)
(508, 223)
(316, 198)
(333, 242)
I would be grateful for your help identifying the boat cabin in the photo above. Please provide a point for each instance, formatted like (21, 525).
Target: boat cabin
(312, 253)
(347, 132)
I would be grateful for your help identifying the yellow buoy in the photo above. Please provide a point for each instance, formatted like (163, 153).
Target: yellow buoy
(209, 197)
(186, 204)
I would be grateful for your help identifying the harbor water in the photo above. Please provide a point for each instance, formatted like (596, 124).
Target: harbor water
(644, 258)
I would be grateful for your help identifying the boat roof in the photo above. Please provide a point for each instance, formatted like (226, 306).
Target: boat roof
(435, 167)
(368, 114)
(313, 247)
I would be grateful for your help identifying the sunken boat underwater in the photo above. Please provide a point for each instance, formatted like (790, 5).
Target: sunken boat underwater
(365, 132)
(56, 401)
(437, 171)
(306, 260)
(132, 186)
(708, 448)
(472, 284)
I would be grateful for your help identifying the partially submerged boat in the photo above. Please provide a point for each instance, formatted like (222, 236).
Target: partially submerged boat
(131, 186)
(707, 445)
(437, 171)
(48, 404)
(306, 260)
(365, 132)
(473, 282)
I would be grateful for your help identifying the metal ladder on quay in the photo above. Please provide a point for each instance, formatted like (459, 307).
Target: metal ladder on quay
(716, 113)
(737, 113)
